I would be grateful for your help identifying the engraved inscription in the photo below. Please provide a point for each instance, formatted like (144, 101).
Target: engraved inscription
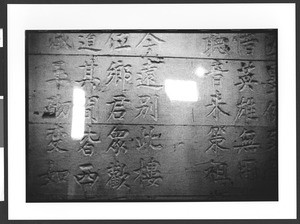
(270, 111)
(218, 173)
(247, 77)
(118, 143)
(56, 135)
(90, 108)
(87, 178)
(118, 109)
(216, 72)
(270, 45)
(147, 75)
(248, 143)
(148, 106)
(147, 139)
(60, 41)
(55, 108)
(117, 176)
(87, 42)
(216, 103)
(119, 73)
(118, 41)
(216, 139)
(60, 76)
(149, 174)
(149, 41)
(54, 176)
(87, 142)
(126, 116)
(246, 109)
(271, 82)
(272, 140)
(246, 43)
(89, 71)
(248, 169)
(216, 43)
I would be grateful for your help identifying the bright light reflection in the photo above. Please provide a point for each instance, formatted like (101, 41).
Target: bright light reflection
(200, 72)
(78, 115)
(181, 90)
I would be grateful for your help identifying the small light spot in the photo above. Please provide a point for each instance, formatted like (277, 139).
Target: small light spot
(200, 71)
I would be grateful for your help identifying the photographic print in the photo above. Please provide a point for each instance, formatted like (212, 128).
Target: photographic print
(151, 115)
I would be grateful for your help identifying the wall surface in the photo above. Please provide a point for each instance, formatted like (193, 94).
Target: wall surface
(168, 116)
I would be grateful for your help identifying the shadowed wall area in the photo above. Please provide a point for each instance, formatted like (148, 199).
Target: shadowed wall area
(151, 115)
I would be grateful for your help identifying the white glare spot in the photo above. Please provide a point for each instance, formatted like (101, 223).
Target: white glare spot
(200, 72)
(78, 115)
(181, 90)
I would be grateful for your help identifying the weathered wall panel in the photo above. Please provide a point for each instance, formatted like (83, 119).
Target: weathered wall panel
(138, 143)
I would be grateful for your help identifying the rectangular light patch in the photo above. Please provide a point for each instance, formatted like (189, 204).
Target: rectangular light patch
(1, 37)
(78, 114)
(181, 90)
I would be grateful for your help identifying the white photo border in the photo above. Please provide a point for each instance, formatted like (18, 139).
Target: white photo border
(165, 16)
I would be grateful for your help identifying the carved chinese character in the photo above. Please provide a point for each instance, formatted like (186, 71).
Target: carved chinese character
(216, 43)
(148, 173)
(148, 106)
(55, 108)
(149, 41)
(248, 169)
(118, 109)
(216, 72)
(246, 109)
(147, 139)
(54, 176)
(88, 78)
(87, 178)
(60, 41)
(218, 173)
(118, 143)
(147, 75)
(87, 142)
(87, 42)
(216, 139)
(56, 136)
(272, 140)
(270, 45)
(119, 73)
(247, 77)
(246, 43)
(60, 76)
(271, 111)
(216, 104)
(248, 143)
(118, 41)
(117, 176)
(90, 108)
(271, 82)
